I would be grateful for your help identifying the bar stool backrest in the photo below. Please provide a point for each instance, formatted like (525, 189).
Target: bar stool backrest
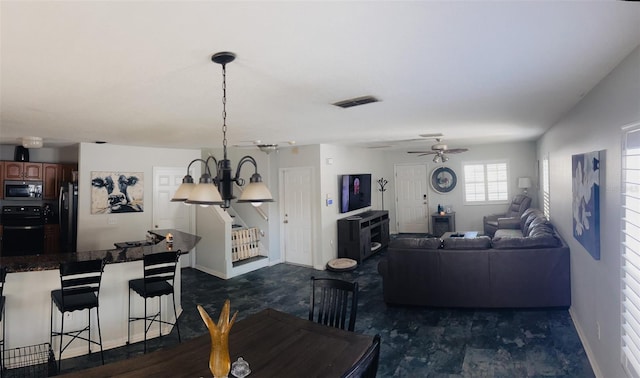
(160, 267)
(3, 277)
(80, 277)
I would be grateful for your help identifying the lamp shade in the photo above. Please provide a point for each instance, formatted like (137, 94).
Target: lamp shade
(182, 194)
(256, 191)
(205, 194)
(524, 182)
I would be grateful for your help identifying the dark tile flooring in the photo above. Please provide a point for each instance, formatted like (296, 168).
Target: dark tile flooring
(416, 342)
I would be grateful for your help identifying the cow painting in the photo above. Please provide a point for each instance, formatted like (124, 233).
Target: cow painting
(116, 192)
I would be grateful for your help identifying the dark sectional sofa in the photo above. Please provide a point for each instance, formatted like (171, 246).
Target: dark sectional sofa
(522, 267)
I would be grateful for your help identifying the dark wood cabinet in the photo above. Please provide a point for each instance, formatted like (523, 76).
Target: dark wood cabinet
(51, 180)
(362, 235)
(1, 179)
(16, 170)
(51, 238)
(66, 172)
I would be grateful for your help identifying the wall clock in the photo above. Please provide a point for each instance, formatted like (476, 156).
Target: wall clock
(443, 179)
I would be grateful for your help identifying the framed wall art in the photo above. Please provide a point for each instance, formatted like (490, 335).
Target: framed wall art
(443, 179)
(586, 175)
(117, 192)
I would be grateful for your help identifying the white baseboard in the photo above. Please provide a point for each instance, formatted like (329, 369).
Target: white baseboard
(585, 345)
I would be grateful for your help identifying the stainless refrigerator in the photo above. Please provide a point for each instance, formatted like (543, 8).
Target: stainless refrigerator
(68, 216)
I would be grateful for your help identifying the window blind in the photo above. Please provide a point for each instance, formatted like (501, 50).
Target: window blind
(486, 182)
(630, 252)
(546, 196)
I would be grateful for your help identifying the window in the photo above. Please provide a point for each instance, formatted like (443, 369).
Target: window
(630, 252)
(546, 197)
(486, 182)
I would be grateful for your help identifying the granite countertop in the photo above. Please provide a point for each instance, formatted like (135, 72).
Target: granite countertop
(182, 242)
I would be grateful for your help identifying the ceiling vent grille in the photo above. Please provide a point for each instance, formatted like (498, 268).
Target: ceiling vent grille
(356, 101)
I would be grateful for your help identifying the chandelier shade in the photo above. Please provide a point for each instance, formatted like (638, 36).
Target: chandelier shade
(218, 189)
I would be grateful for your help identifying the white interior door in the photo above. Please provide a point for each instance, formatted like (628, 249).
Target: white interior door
(167, 214)
(296, 216)
(412, 207)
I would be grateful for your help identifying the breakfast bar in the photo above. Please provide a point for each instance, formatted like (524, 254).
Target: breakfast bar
(32, 278)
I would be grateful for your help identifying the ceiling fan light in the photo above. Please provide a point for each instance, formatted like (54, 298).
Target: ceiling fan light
(31, 142)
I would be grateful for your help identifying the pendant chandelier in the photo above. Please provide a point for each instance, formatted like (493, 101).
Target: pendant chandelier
(218, 189)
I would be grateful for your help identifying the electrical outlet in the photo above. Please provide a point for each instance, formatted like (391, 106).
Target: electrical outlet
(598, 328)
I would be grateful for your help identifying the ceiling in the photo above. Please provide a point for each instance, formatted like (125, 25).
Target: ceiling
(139, 73)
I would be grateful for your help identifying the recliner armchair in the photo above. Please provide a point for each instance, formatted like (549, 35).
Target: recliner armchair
(519, 204)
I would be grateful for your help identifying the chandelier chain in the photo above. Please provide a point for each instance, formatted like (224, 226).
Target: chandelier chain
(224, 109)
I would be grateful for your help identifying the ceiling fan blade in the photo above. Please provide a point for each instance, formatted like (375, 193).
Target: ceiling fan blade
(422, 152)
(456, 150)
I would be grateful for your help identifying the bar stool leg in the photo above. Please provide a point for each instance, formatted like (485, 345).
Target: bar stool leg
(175, 313)
(145, 325)
(129, 322)
(99, 333)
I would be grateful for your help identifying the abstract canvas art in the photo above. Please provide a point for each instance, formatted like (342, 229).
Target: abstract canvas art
(117, 192)
(586, 200)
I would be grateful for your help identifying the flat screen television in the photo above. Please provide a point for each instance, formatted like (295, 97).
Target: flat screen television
(355, 192)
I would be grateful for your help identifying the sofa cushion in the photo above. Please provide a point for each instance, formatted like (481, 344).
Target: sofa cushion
(480, 242)
(508, 233)
(548, 241)
(416, 243)
(529, 216)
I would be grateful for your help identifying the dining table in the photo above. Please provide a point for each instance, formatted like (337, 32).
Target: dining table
(273, 343)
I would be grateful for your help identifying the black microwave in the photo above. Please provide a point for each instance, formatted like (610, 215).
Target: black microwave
(22, 190)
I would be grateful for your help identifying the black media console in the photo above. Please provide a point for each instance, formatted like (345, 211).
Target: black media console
(362, 235)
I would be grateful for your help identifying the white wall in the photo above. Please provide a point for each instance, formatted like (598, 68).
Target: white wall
(522, 162)
(100, 231)
(595, 124)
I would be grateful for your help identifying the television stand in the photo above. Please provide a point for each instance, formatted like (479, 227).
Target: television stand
(362, 235)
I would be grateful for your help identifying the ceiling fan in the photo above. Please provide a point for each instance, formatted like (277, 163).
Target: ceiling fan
(440, 150)
(267, 148)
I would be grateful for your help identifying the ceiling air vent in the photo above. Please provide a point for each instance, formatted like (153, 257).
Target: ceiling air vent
(356, 101)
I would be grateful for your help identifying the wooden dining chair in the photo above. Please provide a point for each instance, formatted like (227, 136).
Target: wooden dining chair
(333, 301)
(367, 365)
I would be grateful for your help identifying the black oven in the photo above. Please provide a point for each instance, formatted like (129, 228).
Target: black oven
(22, 190)
(23, 231)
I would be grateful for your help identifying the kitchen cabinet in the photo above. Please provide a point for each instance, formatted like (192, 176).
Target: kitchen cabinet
(66, 172)
(53, 176)
(51, 238)
(25, 171)
(1, 180)
(51, 180)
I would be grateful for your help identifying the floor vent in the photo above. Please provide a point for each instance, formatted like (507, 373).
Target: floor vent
(356, 101)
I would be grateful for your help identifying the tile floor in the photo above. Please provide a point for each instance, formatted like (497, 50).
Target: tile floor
(416, 342)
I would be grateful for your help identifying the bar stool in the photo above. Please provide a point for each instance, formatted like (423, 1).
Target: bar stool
(158, 281)
(80, 288)
(3, 277)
